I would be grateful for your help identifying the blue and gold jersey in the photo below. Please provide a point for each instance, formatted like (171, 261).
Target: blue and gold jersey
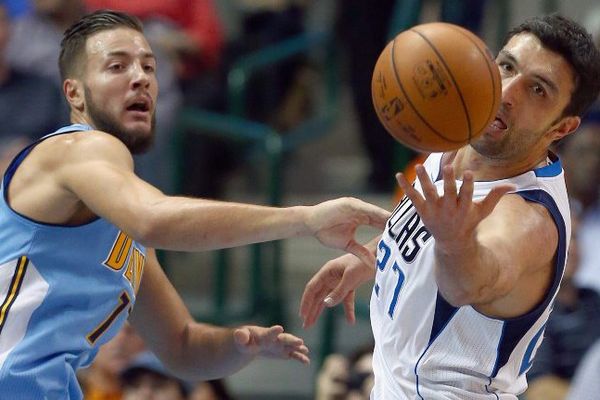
(64, 291)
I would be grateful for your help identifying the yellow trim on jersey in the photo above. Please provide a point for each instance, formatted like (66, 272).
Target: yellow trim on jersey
(139, 270)
(13, 289)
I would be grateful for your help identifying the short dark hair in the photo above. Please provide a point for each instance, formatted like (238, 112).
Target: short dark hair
(72, 46)
(575, 44)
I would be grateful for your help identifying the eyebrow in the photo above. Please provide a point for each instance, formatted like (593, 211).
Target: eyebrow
(120, 53)
(546, 81)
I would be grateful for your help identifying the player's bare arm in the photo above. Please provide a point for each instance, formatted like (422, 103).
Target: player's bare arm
(201, 351)
(95, 174)
(495, 254)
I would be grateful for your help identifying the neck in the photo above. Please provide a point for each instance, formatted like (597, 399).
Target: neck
(80, 118)
(489, 169)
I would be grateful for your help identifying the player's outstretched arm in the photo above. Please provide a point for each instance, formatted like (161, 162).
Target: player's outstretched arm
(199, 351)
(99, 171)
(334, 283)
(495, 253)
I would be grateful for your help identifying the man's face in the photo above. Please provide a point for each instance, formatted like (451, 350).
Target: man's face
(120, 86)
(536, 86)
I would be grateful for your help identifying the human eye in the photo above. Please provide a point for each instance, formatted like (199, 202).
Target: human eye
(538, 90)
(116, 67)
(505, 67)
(149, 68)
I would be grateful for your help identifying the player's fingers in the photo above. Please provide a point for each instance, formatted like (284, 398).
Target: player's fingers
(300, 356)
(301, 348)
(465, 196)
(375, 216)
(361, 252)
(450, 195)
(310, 302)
(349, 308)
(289, 340)
(274, 332)
(429, 189)
(309, 296)
(315, 308)
(491, 200)
(339, 293)
(242, 336)
(314, 315)
(409, 191)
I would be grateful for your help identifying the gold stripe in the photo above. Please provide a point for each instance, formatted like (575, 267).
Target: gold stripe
(13, 289)
(124, 301)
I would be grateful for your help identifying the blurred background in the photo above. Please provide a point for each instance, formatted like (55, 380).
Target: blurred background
(268, 101)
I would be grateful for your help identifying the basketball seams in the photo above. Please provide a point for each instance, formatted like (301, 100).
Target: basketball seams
(489, 67)
(416, 111)
(460, 95)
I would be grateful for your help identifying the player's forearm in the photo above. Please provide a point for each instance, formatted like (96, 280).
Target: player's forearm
(208, 352)
(193, 225)
(467, 273)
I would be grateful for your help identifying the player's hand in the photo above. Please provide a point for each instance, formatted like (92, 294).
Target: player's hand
(334, 283)
(452, 216)
(334, 223)
(270, 342)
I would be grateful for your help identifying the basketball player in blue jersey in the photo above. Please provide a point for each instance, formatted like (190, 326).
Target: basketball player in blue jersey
(471, 259)
(78, 228)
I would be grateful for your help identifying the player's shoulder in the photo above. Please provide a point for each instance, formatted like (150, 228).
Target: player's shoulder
(85, 138)
(85, 145)
(532, 216)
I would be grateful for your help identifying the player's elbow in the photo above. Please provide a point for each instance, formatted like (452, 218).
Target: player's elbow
(147, 231)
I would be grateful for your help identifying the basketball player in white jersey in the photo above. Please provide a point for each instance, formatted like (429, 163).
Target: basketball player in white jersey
(471, 259)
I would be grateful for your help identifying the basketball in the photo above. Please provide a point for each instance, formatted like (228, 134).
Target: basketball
(436, 87)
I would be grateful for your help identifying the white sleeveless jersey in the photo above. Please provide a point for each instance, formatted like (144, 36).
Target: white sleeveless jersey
(427, 349)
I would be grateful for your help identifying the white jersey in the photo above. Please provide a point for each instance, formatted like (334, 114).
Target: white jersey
(427, 349)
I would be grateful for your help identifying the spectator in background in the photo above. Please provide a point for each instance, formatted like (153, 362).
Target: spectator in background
(145, 378)
(35, 38)
(346, 378)
(22, 96)
(102, 380)
(586, 384)
(211, 390)
(580, 156)
(592, 23)
(572, 329)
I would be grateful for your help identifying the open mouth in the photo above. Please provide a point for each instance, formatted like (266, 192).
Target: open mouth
(499, 124)
(140, 106)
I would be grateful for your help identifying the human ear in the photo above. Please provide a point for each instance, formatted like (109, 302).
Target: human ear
(565, 127)
(73, 90)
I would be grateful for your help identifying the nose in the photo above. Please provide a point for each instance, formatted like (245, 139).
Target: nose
(511, 90)
(140, 78)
